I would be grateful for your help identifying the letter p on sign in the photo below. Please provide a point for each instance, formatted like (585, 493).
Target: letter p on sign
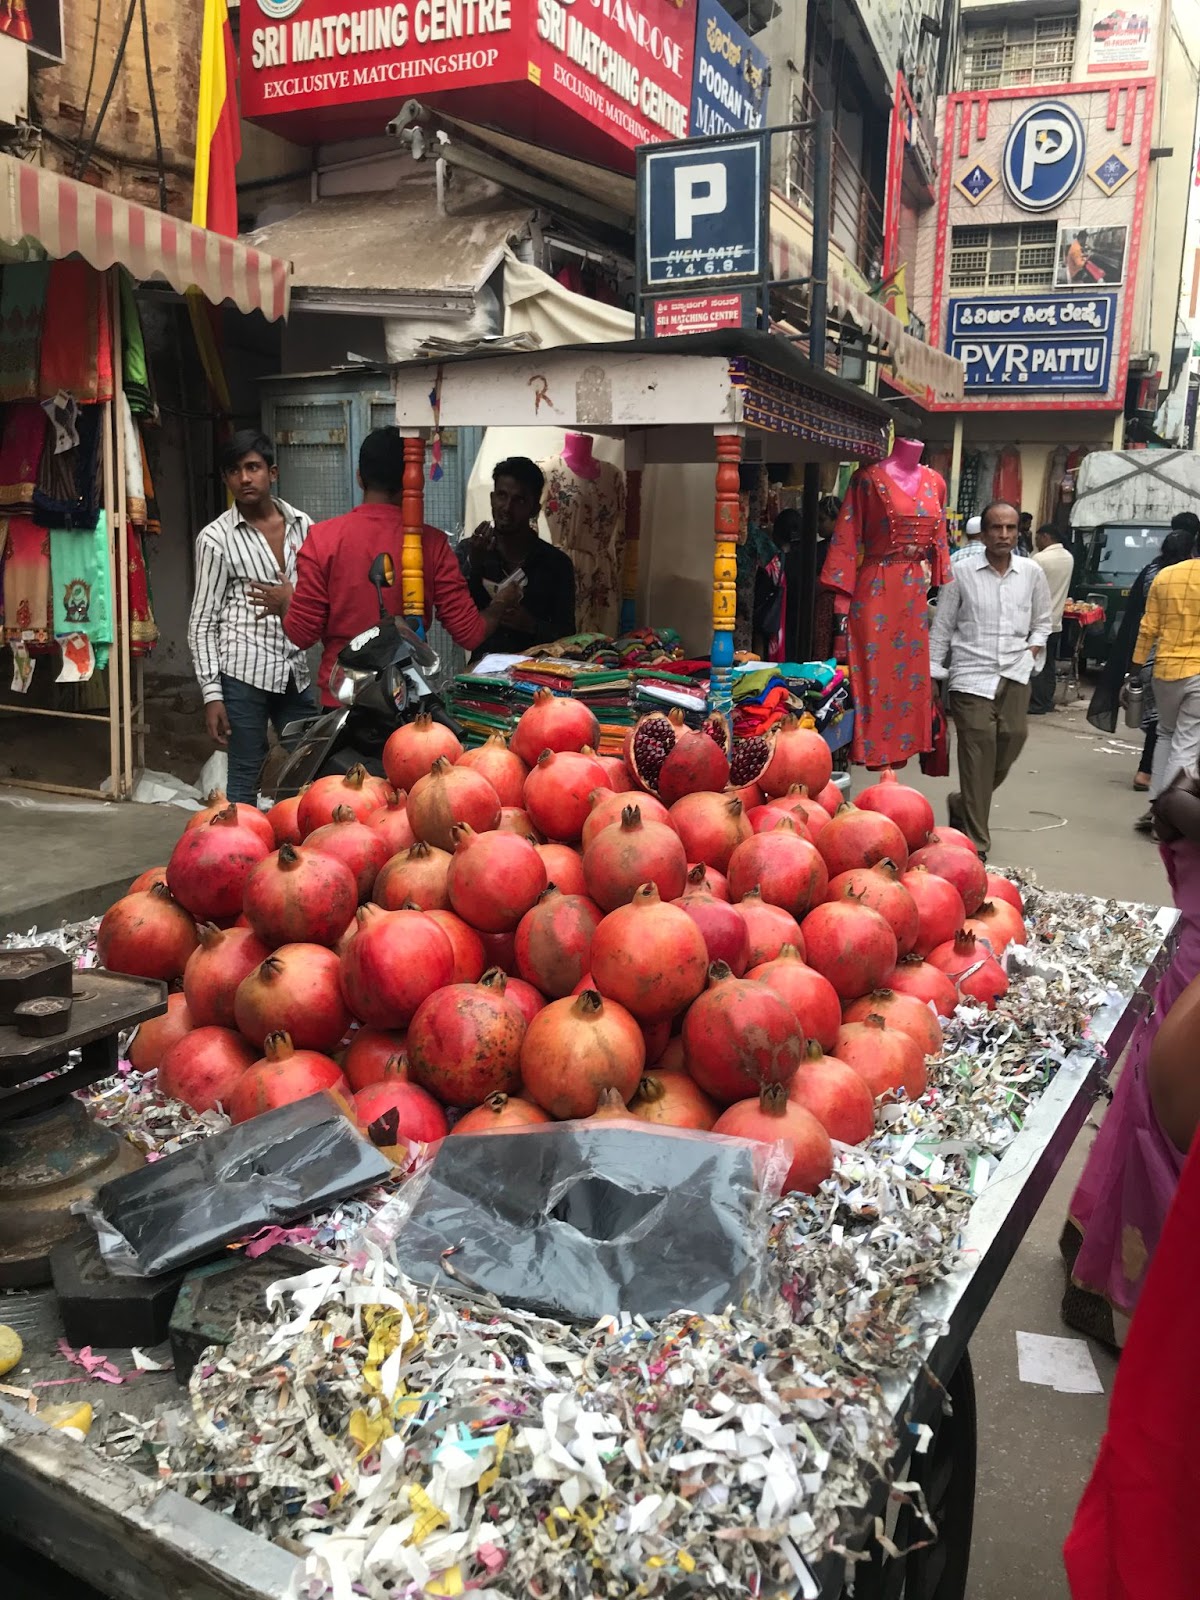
(699, 192)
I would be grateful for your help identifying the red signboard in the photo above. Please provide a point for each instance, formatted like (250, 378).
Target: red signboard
(700, 313)
(594, 78)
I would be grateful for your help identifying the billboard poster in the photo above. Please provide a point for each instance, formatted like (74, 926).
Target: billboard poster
(1039, 343)
(729, 86)
(1120, 40)
(1090, 256)
(37, 24)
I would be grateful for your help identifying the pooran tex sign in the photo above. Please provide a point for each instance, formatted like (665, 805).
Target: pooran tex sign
(591, 78)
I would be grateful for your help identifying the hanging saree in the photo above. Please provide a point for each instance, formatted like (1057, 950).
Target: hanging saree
(135, 370)
(22, 309)
(77, 335)
(153, 518)
(80, 584)
(81, 507)
(143, 630)
(27, 582)
(22, 446)
(135, 487)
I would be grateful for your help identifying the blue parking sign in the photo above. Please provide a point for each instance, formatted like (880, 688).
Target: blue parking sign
(702, 212)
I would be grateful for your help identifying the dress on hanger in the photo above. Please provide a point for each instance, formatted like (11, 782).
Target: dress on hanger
(896, 533)
(586, 518)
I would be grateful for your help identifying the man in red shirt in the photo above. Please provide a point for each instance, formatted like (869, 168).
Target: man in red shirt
(333, 599)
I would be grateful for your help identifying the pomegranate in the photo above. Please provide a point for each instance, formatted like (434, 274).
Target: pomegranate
(976, 973)
(786, 868)
(321, 799)
(940, 909)
(672, 1101)
(284, 817)
(714, 882)
(501, 1113)
(554, 941)
(657, 1036)
(416, 876)
(886, 1058)
(771, 1116)
(999, 888)
(213, 972)
(147, 879)
(398, 1112)
(671, 1059)
(558, 792)
(470, 958)
(500, 950)
(299, 896)
(564, 867)
(749, 794)
(374, 1056)
(606, 809)
(209, 866)
(411, 751)
(527, 999)
(903, 1011)
(394, 962)
(831, 798)
(282, 1077)
(502, 767)
(494, 879)
(769, 929)
(798, 804)
(908, 808)
(711, 827)
(812, 997)
(726, 936)
(359, 847)
(553, 722)
(204, 1068)
(916, 977)
(619, 775)
(881, 888)
(747, 762)
(953, 836)
(610, 1109)
(448, 795)
(514, 819)
(999, 923)
(154, 1038)
(649, 956)
(959, 867)
(849, 944)
(855, 838)
(249, 817)
(798, 755)
(738, 1036)
(147, 934)
(836, 1095)
(465, 1042)
(296, 991)
(634, 852)
(391, 821)
(669, 758)
(577, 1047)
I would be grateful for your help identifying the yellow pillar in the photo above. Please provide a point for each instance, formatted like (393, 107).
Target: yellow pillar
(412, 512)
(726, 519)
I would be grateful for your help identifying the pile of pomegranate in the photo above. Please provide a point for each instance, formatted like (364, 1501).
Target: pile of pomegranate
(697, 936)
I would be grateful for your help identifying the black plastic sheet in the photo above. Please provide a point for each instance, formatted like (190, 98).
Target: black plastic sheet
(579, 1221)
(275, 1168)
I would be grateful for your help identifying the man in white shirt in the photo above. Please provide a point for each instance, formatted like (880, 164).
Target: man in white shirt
(1057, 562)
(249, 671)
(989, 630)
(974, 532)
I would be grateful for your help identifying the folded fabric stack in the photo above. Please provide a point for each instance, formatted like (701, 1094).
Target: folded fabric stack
(764, 695)
(484, 705)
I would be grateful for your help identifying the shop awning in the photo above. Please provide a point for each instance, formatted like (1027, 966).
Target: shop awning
(70, 218)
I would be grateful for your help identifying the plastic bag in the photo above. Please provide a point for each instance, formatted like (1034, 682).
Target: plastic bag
(577, 1221)
(275, 1168)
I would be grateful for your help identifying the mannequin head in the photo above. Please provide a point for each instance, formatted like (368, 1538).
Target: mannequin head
(908, 451)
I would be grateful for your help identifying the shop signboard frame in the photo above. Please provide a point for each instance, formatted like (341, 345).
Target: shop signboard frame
(1018, 343)
(731, 76)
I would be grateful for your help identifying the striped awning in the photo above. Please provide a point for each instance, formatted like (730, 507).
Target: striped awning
(70, 218)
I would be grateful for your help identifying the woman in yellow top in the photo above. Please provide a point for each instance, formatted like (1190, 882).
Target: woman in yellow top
(1170, 635)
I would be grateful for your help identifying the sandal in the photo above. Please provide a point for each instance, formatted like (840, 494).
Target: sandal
(1142, 782)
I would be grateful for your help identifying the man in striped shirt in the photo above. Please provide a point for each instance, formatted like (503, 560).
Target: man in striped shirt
(249, 671)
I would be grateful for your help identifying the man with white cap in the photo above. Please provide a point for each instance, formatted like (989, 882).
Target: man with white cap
(974, 539)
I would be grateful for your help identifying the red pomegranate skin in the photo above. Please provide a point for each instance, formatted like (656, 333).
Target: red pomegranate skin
(553, 722)
(147, 934)
(374, 1056)
(500, 950)
(714, 882)
(738, 1036)
(798, 755)
(209, 866)
(953, 836)
(607, 809)
(810, 1149)
(357, 846)
(726, 936)
(502, 767)
(925, 983)
(908, 808)
(768, 928)
(353, 789)
(419, 1118)
(812, 997)
(575, 1049)
(881, 888)
(154, 1038)
(855, 838)
(808, 815)
(147, 879)
(297, 991)
(831, 798)
(786, 868)
(1000, 888)
(411, 751)
(396, 960)
(390, 820)
(849, 944)
(214, 970)
(465, 1043)
(494, 879)
(999, 923)
(501, 1113)
(269, 1084)
(284, 817)
(515, 819)
(448, 795)
(558, 793)
(649, 957)
(634, 852)
(837, 1096)
(554, 942)
(940, 909)
(204, 1068)
(417, 876)
(673, 1101)
(564, 867)
(902, 1011)
(711, 825)
(249, 816)
(975, 972)
(298, 896)
(885, 1057)
(528, 999)
(470, 958)
(695, 764)
(959, 867)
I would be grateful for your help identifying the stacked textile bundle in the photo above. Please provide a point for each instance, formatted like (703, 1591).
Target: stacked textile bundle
(764, 694)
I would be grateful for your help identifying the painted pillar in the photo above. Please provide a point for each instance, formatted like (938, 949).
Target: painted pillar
(412, 512)
(956, 455)
(634, 457)
(726, 517)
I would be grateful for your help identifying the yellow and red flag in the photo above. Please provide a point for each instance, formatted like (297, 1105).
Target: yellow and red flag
(218, 133)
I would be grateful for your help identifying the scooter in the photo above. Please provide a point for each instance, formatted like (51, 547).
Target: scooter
(380, 680)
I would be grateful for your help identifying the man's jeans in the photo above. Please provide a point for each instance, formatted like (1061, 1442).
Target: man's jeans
(249, 710)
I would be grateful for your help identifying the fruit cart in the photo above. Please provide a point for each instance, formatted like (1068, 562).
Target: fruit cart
(129, 1536)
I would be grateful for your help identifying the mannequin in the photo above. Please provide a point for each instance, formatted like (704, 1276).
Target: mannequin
(584, 507)
(891, 525)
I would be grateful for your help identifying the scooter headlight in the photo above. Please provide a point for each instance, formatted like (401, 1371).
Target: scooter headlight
(345, 683)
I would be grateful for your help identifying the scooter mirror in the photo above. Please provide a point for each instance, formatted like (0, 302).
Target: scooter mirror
(382, 576)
